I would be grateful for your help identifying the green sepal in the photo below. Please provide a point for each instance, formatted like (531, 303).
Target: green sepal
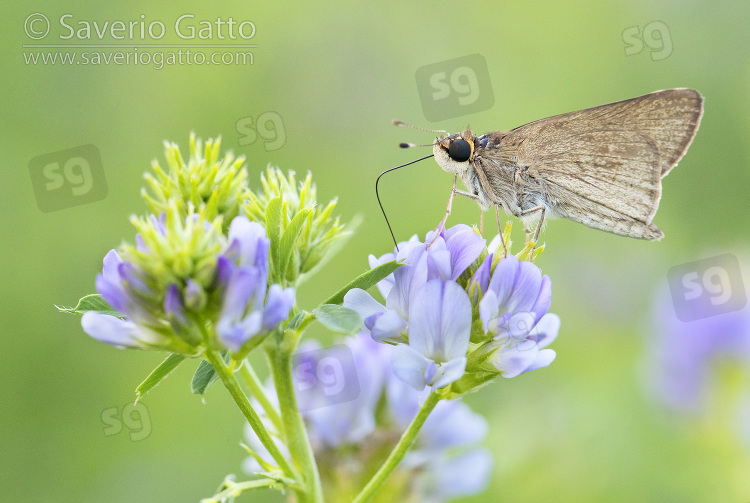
(471, 382)
(477, 331)
(288, 239)
(273, 229)
(298, 320)
(538, 251)
(268, 467)
(93, 302)
(158, 374)
(204, 375)
(338, 318)
(365, 281)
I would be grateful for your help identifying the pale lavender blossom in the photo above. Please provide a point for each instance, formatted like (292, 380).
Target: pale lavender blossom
(439, 330)
(513, 309)
(684, 355)
(150, 319)
(424, 302)
(333, 423)
(446, 461)
(249, 308)
(139, 328)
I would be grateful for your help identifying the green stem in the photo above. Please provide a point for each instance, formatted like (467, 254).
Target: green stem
(258, 391)
(398, 452)
(230, 382)
(280, 356)
(235, 488)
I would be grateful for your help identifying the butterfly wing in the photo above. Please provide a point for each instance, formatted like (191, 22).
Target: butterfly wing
(603, 166)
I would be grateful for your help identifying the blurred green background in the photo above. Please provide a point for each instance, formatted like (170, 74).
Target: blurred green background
(336, 73)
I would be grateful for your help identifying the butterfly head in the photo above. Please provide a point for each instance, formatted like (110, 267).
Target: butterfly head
(454, 152)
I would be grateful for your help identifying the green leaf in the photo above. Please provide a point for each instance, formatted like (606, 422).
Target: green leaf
(203, 377)
(273, 228)
(365, 281)
(298, 320)
(339, 318)
(93, 302)
(159, 373)
(289, 238)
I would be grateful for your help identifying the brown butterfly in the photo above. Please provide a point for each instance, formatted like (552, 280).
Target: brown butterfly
(600, 166)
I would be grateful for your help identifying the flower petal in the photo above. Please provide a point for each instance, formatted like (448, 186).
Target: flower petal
(252, 240)
(386, 284)
(452, 424)
(440, 321)
(387, 326)
(526, 288)
(278, 304)
(510, 361)
(464, 246)
(546, 330)
(112, 330)
(243, 284)
(543, 359)
(363, 303)
(410, 366)
(439, 263)
(233, 334)
(480, 281)
(450, 372)
(109, 284)
(408, 279)
(195, 295)
(543, 300)
(503, 278)
(488, 309)
(460, 475)
(173, 304)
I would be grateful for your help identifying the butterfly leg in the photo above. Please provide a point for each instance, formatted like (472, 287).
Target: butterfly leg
(538, 229)
(448, 208)
(499, 230)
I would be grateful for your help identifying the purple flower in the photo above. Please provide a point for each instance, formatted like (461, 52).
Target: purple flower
(428, 313)
(455, 476)
(424, 288)
(480, 281)
(683, 355)
(524, 350)
(113, 284)
(121, 333)
(182, 272)
(446, 461)
(332, 422)
(247, 311)
(513, 309)
(439, 330)
(140, 328)
(515, 287)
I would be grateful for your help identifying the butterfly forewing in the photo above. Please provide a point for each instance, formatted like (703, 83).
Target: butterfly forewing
(608, 160)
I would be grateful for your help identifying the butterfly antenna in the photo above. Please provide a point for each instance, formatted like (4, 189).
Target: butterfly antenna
(378, 195)
(404, 124)
(410, 145)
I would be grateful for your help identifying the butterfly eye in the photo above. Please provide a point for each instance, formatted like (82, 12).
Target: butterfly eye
(459, 150)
